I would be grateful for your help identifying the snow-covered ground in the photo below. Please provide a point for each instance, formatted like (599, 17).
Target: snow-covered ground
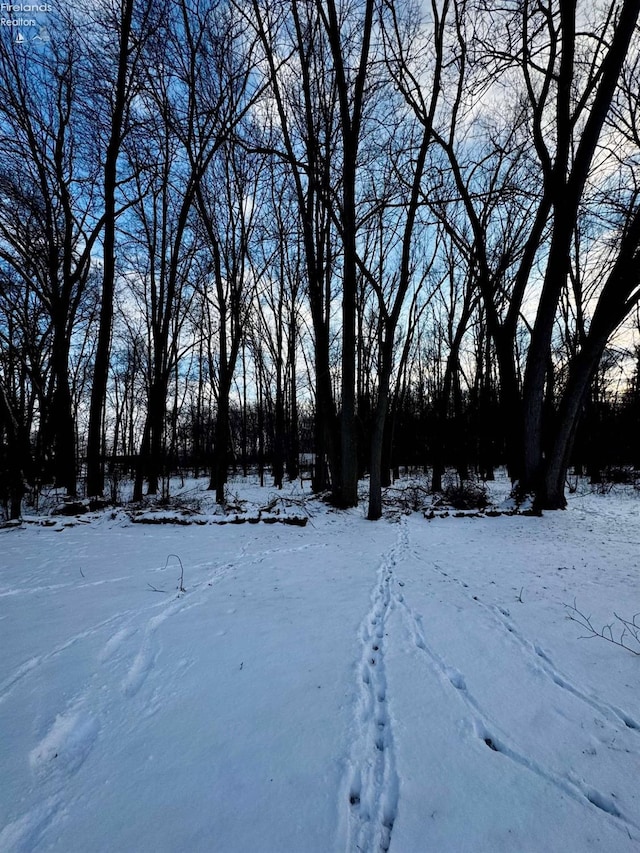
(408, 685)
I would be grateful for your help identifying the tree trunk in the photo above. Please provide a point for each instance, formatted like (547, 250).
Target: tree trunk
(377, 439)
(95, 460)
(64, 434)
(551, 492)
(18, 454)
(221, 447)
(278, 437)
(293, 445)
(347, 493)
(143, 455)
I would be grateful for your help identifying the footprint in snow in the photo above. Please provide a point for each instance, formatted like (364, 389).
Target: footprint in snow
(65, 746)
(25, 832)
(456, 678)
(113, 644)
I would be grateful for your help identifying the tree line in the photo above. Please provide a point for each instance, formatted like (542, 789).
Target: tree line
(377, 232)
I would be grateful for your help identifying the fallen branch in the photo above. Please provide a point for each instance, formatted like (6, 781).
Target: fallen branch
(621, 632)
(181, 581)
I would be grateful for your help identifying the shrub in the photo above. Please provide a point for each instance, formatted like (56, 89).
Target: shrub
(465, 494)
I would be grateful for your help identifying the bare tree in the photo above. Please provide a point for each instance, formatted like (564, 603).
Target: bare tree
(566, 75)
(116, 92)
(199, 87)
(228, 203)
(401, 53)
(50, 180)
(302, 134)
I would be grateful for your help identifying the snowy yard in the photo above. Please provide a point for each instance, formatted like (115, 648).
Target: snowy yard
(408, 685)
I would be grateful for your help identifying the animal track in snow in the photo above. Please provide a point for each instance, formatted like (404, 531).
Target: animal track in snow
(115, 642)
(24, 833)
(35, 662)
(149, 649)
(66, 745)
(34, 590)
(488, 733)
(543, 663)
(126, 645)
(372, 786)
(59, 755)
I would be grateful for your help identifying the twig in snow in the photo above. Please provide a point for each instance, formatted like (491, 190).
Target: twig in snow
(155, 589)
(627, 631)
(181, 581)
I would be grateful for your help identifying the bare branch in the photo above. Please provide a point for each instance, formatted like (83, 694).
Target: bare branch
(622, 632)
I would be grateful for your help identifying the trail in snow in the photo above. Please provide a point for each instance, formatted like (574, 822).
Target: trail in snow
(22, 835)
(541, 662)
(372, 784)
(199, 730)
(147, 654)
(77, 726)
(5, 593)
(29, 666)
(487, 730)
(371, 789)
(131, 616)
